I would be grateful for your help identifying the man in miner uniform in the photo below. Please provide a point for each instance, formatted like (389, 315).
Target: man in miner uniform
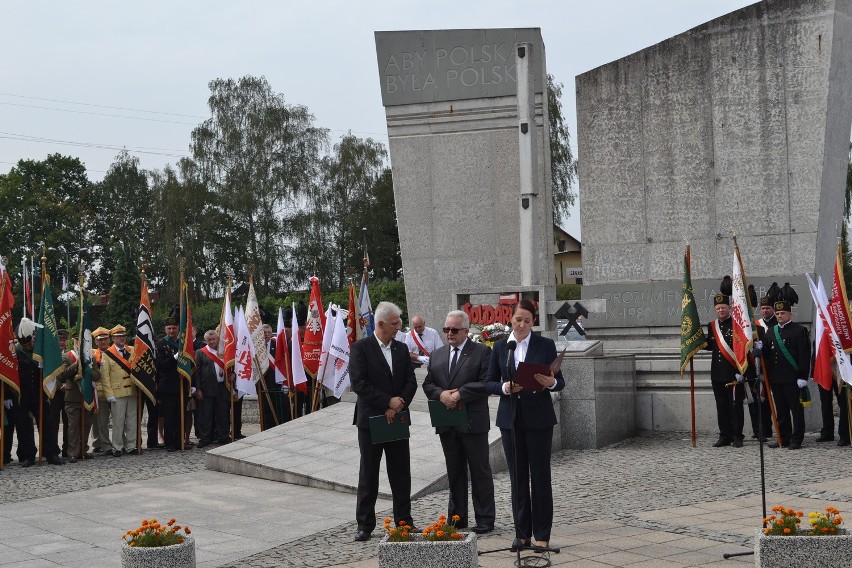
(787, 351)
(762, 324)
(727, 382)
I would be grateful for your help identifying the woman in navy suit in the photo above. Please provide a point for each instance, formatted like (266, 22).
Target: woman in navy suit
(533, 422)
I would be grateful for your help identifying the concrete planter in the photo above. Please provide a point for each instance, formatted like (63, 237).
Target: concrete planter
(175, 556)
(426, 554)
(798, 551)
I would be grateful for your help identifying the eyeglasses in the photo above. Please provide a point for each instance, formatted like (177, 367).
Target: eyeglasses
(454, 329)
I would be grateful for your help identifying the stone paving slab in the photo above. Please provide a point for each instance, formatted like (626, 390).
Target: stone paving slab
(321, 450)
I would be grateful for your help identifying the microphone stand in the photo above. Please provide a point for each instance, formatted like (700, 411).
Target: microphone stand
(513, 405)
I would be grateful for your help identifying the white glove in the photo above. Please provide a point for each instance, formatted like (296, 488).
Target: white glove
(110, 399)
(739, 377)
(801, 383)
(423, 359)
(7, 404)
(758, 344)
(192, 391)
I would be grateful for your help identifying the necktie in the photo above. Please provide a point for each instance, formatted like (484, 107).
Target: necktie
(455, 360)
(124, 353)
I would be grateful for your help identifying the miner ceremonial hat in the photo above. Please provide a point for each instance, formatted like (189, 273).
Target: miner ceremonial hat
(724, 295)
(26, 329)
(100, 332)
(171, 321)
(62, 333)
(769, 298)
(118, 330)
(787, 298)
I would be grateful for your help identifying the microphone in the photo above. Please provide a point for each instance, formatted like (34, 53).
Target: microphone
(510, 347)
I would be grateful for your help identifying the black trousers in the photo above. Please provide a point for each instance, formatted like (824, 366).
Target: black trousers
(790, 413)
(57, 415)
(464, 452)
(765, 414)
(729, 410)
(398, 462)
(213, 416)
(170, 411)
(826, 402)
(153, 418)
(20, 420)
(532, 492)
(238, 417)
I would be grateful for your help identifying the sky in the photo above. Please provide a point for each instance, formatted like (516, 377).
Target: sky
(88, 79)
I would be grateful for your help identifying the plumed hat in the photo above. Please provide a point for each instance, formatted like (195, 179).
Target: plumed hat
(768, 299)
(786, 299)
(724, 295)
(26, 329)
(752, 296)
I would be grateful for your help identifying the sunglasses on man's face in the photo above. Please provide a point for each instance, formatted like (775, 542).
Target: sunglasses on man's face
(454, 329)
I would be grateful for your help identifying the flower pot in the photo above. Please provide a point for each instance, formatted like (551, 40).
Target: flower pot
(174, 556)
(802, 550)
(428, 554)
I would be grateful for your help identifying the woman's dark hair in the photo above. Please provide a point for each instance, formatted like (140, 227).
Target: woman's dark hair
(525, 305)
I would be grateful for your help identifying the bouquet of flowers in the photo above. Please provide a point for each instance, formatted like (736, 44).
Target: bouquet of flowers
(152, 533)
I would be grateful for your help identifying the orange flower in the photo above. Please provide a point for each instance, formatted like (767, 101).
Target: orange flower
(402, 523)
(440, 533)
(787, 530)
(187, 531)
(456, 517)
(172, 521)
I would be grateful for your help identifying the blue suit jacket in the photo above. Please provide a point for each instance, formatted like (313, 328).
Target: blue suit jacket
(536, 408)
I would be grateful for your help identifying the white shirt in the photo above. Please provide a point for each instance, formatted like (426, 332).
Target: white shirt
(521, 349)
(386, 351)
(430, 341)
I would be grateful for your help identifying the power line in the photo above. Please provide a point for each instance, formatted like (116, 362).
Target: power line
(136, 149)
(98, 113)
(102, 106)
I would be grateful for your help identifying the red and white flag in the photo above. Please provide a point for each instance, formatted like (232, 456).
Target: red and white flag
(352, 318)
(740, 314)
(822, 341)
(312, 345)
(228, 343)
(844, 365)
(281, 355)
(297, 373)
(244, 362)
(838, 306)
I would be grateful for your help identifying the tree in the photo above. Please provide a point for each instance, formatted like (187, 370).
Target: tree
(41, 203)
(327, 233)
(124, 292)
(383, 233)
(256, 154)
(123, 208)
(563, 167)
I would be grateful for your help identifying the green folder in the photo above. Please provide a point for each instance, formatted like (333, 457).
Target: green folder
(381, 431)
(443, 416)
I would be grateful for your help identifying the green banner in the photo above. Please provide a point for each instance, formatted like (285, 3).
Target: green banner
(47, 351)
(692, 338)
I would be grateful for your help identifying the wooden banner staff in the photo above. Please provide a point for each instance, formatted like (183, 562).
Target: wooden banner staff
(261, 389)
(2, 420)
(41, 373)
(84, 438)
(138, 391)
(182, 265)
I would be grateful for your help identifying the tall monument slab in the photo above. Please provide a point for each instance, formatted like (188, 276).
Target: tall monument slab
(740, 124)
(471, 164)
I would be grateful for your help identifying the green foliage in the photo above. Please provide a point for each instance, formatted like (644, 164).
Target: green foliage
(124, 293)
(568, 291)
(328, 231)
(844, 231)
(563, 167)
(257, 155)
(41, 203)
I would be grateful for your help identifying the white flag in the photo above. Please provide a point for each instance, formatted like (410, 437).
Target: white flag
(255, 329)
(300, 380)
(244, 362)
(325, 374)
(280, 349)
(340, 352)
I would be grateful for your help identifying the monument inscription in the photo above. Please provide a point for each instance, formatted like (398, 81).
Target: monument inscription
(431, 66)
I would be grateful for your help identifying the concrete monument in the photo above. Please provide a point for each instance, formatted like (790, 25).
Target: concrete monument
(741, 124)
(468, 135)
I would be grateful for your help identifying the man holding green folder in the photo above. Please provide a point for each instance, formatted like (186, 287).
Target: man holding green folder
(455, 388)
(382, 376)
